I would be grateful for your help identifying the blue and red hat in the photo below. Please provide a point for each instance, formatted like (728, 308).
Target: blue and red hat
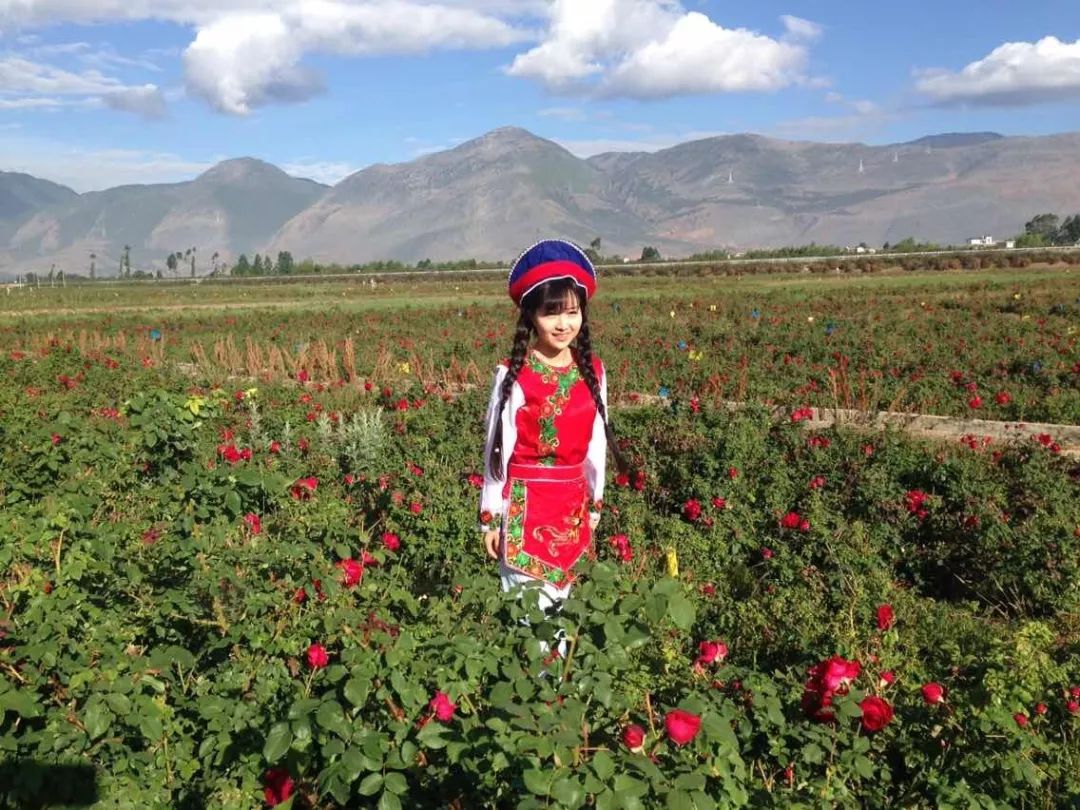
(547, 260)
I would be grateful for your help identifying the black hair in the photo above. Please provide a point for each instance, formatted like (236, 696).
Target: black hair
(551, 298)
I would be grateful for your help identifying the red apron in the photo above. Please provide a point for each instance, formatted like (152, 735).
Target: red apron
(547, 520)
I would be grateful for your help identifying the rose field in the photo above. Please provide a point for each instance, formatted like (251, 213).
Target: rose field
(241, 565)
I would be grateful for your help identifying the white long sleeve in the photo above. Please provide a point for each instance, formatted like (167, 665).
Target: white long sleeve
(491, 498)
(596, 457)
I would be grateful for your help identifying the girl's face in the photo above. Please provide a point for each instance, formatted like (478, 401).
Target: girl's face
(557, 326)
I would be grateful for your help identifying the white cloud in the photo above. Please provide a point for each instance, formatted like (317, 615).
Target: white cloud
(93, 170)
(800, 30)
(322, 171)
(1013, 74)
(248, 53)
(655, 48)
(25, 84)
(585, 148)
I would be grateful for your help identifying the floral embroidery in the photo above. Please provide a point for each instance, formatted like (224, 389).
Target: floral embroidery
(518, 558)
(487, 517)
(598, 506)
(564, 380)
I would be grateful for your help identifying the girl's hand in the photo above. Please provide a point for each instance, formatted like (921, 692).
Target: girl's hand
(594, 520)
(492, 543)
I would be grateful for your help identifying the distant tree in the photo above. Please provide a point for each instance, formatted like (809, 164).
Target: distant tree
(595, 244)
(93, 258)
(243, 266)
(257, 266)
(1044, 225)
(650, 254)
(285, 264)
(172, 261)
(125, 262)
(52, 275)
(191, 254)
(268, 266)
(213, 264)
(1069, 232)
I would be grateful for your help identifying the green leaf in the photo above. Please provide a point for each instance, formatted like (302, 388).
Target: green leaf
(864, 767)
(813, 753)
(232, 503)
(357, 690)
(371, 784)
(538, 782)
(97, 720)
(395, 783)
(21, 702)
(681, 611)
(604, 765)
(277, 742)
(388, 801)
(679, 800)
(568, 792)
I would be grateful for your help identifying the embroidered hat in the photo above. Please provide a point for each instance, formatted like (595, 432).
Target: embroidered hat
(547, 260)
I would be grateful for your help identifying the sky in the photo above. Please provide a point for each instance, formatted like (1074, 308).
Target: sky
(99, 93)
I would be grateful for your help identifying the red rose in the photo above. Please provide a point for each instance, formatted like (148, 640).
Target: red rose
(442, 706)
(56, 438)
(885, 617)
(352, 572)
(621, 544)
(975, 402)
(682, 726)
(804, 525)
(304, 488)
(622, 480)
(1074, 691)
(732, 473)
(711, 652)
(692, 510)
(933, 693)
(767, 553)
(254, 523)
(300, 596)
(391, 541)
(317, 656)
(1073, 707)
(275, 447)
(817, 482)
(719, 503)
(876, 713)
(1021, 719)
(708, 589)
(277, 786)
(1003, 398)
(639, 480)
(633, 737)
(802, 414)
(790, 520)
(476, 480)
(887, 678)
(1040, 708)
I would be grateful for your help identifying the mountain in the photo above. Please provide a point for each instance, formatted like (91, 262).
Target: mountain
(494, 195)
(235, 206)
(489, 197)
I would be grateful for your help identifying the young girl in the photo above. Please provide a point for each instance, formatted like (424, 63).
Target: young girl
(547, 427)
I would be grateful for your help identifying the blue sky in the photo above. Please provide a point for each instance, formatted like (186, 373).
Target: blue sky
(95, 93)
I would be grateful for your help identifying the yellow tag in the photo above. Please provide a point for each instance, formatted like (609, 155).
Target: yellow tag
(695, 356)
(712, 307)
(672, 562)
(404, 368)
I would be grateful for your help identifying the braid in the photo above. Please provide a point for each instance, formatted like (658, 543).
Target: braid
(517, 360)
(588, 371)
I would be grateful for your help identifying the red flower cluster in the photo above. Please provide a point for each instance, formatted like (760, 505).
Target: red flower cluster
(793, 520)
(692, 510)
(710, 652)
(253, 522)
(1047, 441)
(277, 786)
(352, 572)
(317, 657)
(633, 737)
(304, 488)
(915, 501)
(885, 617)
(819, 441)
(621, 544)
(876, 713)
(232, 454)
(802, 414)
(826, 680)
(933, 693)
(390, 541)
(682, 726)
(442, 707)
(817, 482)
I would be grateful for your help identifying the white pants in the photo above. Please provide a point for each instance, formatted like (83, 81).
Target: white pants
(549, 596)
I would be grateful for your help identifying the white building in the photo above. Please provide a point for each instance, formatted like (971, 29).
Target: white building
(981, 241)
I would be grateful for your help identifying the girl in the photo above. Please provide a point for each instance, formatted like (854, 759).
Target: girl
(547, 427)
